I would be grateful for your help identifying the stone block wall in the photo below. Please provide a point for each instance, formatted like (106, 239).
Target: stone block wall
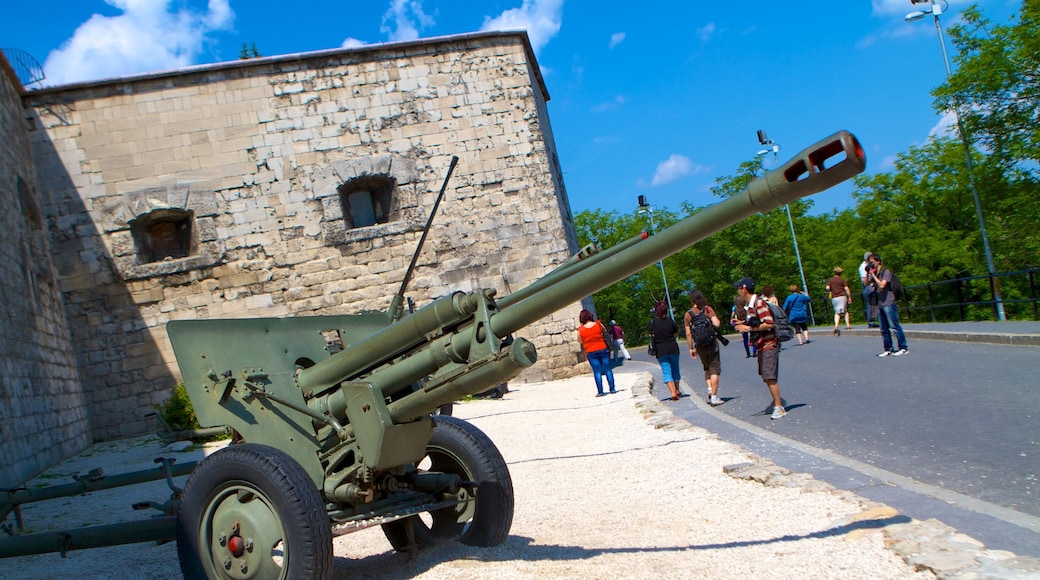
(43, 418)
(256, 153)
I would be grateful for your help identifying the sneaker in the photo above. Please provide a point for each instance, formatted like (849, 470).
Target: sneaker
(900, 352)
(714, 401)
(886, 353)
(778, 412)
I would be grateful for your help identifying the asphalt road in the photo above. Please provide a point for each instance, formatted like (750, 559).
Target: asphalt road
(956, 417)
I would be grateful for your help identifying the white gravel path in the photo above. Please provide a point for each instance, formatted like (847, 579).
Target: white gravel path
(600, 493)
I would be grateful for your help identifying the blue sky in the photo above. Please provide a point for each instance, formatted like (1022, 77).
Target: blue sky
(656, 99)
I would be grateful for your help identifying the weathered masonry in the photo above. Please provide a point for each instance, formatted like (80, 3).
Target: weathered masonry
(292, 186)
(43, 413)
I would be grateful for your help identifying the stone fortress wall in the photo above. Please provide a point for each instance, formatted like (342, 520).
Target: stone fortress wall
(232, 190)
(43, 416)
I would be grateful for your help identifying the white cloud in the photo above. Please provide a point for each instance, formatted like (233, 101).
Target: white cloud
(540, 18)
(408, 19)
(705, 32)
(352, 43)
(616, 39)
(611, 105)
(146, 37)
(673, 168)
(946, 127)
(902, 7)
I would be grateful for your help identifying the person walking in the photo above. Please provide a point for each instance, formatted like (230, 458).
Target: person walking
(663, 335)
(760, 322)
(796, 305)
(590, 334)
(888, 313)
(738, 314)
(619, 340)
(702, 324)
(869, 296)
(839, 291)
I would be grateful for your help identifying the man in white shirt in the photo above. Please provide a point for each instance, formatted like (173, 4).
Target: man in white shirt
(869, 294)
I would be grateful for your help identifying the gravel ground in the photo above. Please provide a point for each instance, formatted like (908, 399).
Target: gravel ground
(601, 491)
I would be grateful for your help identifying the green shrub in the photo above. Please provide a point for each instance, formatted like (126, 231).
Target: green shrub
(177, 411)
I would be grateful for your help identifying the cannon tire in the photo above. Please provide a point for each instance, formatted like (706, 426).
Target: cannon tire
(459, 447)
(284, 529)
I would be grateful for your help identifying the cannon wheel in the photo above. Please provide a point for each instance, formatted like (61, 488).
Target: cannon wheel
(458, 447)
(251, 511)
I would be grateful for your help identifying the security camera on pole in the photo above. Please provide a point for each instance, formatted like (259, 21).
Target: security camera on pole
(645, 207)
(775, 149)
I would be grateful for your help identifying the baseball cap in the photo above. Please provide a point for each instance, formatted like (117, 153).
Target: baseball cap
(866, 256)
(746, 283)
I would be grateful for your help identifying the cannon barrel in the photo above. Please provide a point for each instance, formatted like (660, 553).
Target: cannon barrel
(819, 167)
(823, 165)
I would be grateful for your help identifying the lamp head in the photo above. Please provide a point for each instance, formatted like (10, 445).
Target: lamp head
(915, 16)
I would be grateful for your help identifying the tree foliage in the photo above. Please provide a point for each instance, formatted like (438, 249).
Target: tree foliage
(996, 87)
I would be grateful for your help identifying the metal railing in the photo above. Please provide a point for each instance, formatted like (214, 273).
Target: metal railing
(962, 299)
(972, 298)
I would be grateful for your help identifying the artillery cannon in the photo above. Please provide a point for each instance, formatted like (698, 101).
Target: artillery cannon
(333, 417)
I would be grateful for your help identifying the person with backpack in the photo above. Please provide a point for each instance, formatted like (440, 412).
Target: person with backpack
(761, 325)
(701, 327)
(887, 286)
(797, 308)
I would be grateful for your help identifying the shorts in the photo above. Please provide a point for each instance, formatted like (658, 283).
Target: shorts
(670, 368)
(799, 326)
(769, 363)
(711, 361)
(839, 304)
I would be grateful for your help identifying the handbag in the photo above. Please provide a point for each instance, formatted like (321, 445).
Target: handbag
(608, 337)
(651, 349)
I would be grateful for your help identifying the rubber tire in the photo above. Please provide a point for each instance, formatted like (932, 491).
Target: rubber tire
(459, 447)
(286, 493)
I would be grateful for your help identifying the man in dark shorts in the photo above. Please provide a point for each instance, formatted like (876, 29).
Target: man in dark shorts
(709, 354)
(760, 323)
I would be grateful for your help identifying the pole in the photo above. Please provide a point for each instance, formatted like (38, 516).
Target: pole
(998, 303)
(667, 295)
(797, 255)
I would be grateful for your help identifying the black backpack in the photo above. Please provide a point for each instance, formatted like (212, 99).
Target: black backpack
(781, 326)
(895, 286)
(702, 330)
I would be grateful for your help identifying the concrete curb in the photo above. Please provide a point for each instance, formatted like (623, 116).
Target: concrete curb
(928, 545)
(952, 336)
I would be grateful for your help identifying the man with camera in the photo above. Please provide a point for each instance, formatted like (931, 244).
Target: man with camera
(888, 313)
(763, 331)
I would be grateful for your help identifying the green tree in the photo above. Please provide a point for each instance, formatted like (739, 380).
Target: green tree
(996, 87)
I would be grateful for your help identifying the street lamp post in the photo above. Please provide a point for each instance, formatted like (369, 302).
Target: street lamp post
(645, 207)
(775, 149)
(935, 11)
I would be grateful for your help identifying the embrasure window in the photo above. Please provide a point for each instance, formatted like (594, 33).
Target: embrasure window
(163, 234)
(366, 201)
